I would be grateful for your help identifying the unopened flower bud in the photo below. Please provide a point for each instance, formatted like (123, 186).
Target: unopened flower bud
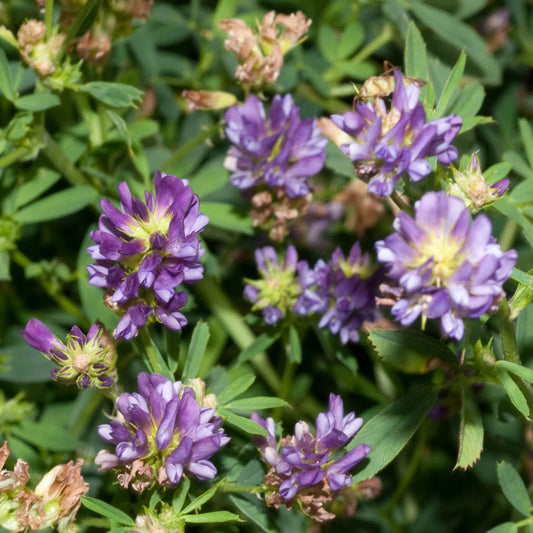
(207, 100)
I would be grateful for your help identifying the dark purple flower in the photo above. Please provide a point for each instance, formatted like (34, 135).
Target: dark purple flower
(304, 463)
(342, 291)
(164, 431)
(144, 250)
(278, 289)
(444, 266)
(84, 360)
(391, 141)
(281, 151)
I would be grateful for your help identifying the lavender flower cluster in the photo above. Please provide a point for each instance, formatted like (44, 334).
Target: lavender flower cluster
(388, 142)
(144, 250)
(341, 291)
(164, 432)
(303, 467)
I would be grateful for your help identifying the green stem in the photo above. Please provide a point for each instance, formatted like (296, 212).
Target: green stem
(331, 105)
(510, 347)
(216, 299)
(75, 27)
(187, 147)
(384, 37)
(49, 17)
(13, 156)
(149, 350)
(254, 489)
(287, 378)
(508, 234)
(65, 303)
(86, 412)
(401, 203)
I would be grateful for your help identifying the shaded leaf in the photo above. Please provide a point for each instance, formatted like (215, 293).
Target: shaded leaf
(295, 345)
(243, 423)
(513, 488)
(225, 216)
(471, 430)
(104, 509)
(236, 388)
(259, 345)
(199, 340)
(254, 510)
(518, 370)
(37, 102)
(513, 391)
(50, 436)
(44, 179)
(113, 94)
(452, 83)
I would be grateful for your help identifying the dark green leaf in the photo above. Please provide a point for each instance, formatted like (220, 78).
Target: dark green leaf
(518, 370)
(233, 390)
(254, 510)
(507, 208)
(6, 77)
(514, 488)
(181, 494)
(295, 345)
(257, 402)
(198, 502)
(225, 216)
(471, 430)
(57, 205)
(25, 365)
(506, 527)
(49, 436)
(104, 509)
(527, 139)
(211, 177)
(4, 268)
(121, 126)
(113, 94)
(513, 391)
(338, 161)
(410, 352)
(391, 429)
(37, 102)
(243, 423)
(214, 517)
(44, 179)
(259, 345)
(199, 339)
(351, 39)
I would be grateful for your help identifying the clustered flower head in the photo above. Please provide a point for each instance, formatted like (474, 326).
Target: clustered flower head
(442, 265)
(278, 289)
(163, 433)
(471, 186)
(389, 141)
(144, 250)
(83, 359)
(260, 53)
(302, 467)
(343, 291)
(273, 157)
(53, 504)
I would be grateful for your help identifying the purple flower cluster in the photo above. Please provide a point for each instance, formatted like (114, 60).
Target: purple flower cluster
(144, 250)
(303, 463)
(390, 142)
(278, 289)
(84, 359)
(343, 291)
(444, 266)
(281, 151)
(163, 433)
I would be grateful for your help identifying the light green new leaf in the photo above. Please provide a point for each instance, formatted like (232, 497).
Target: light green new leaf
(199, 340)
(452, 83)
(214, 517)
(57, 205)
(471, 430)
(179, 497)
(257, 402)
(107, 510)
(514, 488)
(415, 56)
(391, 429)
(233, 390)
(518, 370)
(513, 391)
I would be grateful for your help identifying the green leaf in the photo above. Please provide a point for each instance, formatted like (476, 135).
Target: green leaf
(409, 351)
(496, 172)
(243, 423)
(513, 391)
(181, 494)
(254, 510)
(338, 161)
(518, 370)
(43, 180)
(225, 216)
(24, 365)
(460, 35)
(49, 436)
(37, 102)
(6, 77)
(391, 429)
(198, 502)
(471, 430)
(415, 56)
(211, 177)
(122, 128)
(469, 100)
(328, 43)
(351, 39)
(5, 274)
(257, 402)
(113, 94)
(199, 340)
(452, 83)
(214, 517)
(514, 488)
(506, 527)
(295, 345)
(57, 205)
(260, 344)
(518, 164)
(527, 139)
(104, 509)
(236, 388)
(508, 209)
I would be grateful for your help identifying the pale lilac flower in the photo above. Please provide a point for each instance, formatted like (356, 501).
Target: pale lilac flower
(163, 433)
(389, 141)
(144, 250)
(281, 151)
(303, 463)
(444, 267)
(84, 359)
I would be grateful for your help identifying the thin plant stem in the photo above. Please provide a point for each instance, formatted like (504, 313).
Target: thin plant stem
(49, 17)
(287, 378)
(14, 156)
